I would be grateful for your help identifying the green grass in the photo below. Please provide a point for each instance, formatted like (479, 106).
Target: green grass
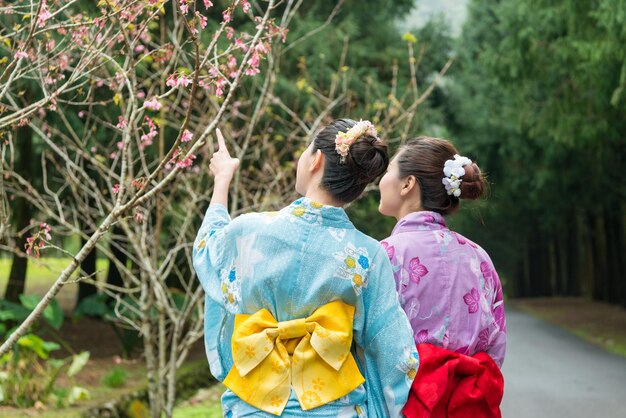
(205, 409)
(41, 274)
(99, 394)
(205, 404)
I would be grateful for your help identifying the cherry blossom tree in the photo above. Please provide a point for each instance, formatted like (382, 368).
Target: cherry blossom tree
(123, 97)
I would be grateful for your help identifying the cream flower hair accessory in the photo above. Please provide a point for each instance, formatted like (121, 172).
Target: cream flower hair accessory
(453, 170)
(344, 140)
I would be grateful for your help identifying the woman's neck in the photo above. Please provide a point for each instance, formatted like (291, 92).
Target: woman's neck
(322, 196)
(408, 207)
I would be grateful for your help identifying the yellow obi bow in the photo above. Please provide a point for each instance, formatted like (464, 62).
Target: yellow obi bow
(312, 355)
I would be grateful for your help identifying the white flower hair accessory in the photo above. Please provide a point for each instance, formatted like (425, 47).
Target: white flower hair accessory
(344, 140)
(453, 170)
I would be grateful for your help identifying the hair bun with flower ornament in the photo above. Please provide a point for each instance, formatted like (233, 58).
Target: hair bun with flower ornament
(453, 170)
(344, 140)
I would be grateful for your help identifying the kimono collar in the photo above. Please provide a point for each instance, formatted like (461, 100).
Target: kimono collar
(315, 212)
(420, 221)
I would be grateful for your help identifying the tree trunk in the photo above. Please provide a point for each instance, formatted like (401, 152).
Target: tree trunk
(22, 214)
(88, 268)
(614, 255)
(601, 283)
(114, 276)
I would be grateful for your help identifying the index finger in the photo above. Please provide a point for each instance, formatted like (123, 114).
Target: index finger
(221, 143)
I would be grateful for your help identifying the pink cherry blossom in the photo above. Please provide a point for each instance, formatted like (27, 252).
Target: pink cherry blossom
(116, 188)
(45, 229)
(245, 5)
(261, 48)
(121, 122)
(20, 54)
(138, 183)
(202, 20)
(182, 162)
(152, 104)
(183, 80)
(219, 87)
(252, 71)
(186, 162)
(44, 14)
(184, 7)
(171, 81)
(240, 45)
(207, 4)
(186, 136)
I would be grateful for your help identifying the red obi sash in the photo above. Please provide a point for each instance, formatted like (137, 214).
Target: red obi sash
(453, 385)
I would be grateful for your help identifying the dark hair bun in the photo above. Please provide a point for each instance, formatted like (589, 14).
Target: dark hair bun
(425, 158)
(473, 183)
(368, 159)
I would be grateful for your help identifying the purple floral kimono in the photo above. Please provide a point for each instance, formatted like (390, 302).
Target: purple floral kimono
(447, 286)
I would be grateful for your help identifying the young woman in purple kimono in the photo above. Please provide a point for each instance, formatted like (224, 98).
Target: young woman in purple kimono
(447, 284)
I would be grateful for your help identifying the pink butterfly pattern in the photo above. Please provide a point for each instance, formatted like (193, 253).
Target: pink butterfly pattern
(498, 315)
(472, 299)
(417, 270)
(463, 350)
(485, 269)
(483, 340)
(423, 248)
(421, 337)
(389, 248)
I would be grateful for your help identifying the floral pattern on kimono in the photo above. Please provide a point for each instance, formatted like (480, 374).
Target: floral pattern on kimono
(447, 286)
(290, 263)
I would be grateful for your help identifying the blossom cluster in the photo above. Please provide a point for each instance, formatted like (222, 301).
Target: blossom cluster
(344, 140)
(453, 170)
(37, 241)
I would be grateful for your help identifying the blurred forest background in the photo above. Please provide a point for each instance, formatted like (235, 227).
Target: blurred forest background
(535, 95)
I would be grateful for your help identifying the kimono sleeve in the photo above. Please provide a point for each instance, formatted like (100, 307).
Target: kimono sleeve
(396, 265)
(391, 357)
(497, 347)
(212, 254)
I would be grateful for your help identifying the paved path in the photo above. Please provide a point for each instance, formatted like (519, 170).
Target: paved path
(550, 372)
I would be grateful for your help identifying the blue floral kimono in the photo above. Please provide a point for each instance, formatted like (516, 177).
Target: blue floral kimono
(287, 264)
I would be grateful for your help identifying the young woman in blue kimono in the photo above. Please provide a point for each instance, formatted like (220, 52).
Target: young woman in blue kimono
(301, 313)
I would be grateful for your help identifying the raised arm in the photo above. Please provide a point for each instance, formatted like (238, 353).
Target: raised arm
(213, 255)
(223, 167)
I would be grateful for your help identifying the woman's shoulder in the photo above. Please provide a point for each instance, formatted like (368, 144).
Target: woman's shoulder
(371, 244)
(253, 220)
(470, 245)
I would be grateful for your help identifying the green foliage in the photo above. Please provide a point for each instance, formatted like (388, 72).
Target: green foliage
(537, 99)
(100, 305)
(116, 378)
(28, 373)
(364, 210)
